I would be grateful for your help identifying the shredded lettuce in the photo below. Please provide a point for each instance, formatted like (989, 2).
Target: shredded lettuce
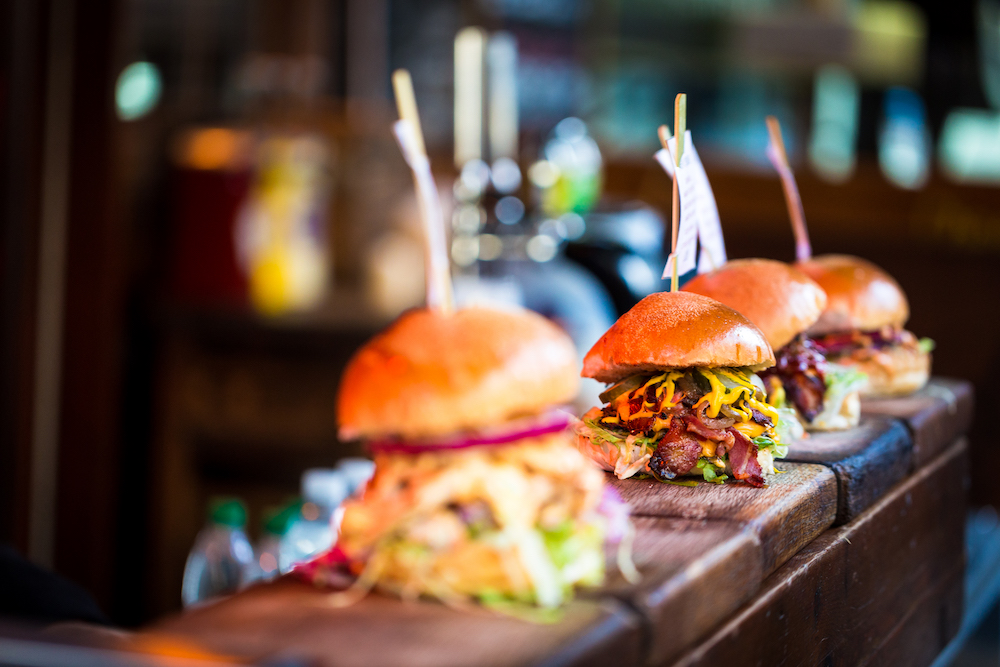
(576, 551)
(765, 443)
(788, 427)
(926, 345)
(614, 437)
(708, 471)
(841, 380)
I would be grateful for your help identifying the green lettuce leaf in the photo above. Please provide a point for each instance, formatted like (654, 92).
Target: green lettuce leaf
(926, 345)
(709, 471)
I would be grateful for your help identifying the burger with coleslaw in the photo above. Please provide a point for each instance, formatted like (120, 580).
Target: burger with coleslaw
(684, 397)
(806, 387)
(478, 492)
(862, 326)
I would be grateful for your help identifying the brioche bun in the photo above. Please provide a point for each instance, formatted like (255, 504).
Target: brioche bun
(859, 295)
(782, 301)
(676, 330)
(896, 370)
(431, 374)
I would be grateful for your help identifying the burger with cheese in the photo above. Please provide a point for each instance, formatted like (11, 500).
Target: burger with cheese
(478, 492)
(862, 325)
(684, 398)
(784, 303)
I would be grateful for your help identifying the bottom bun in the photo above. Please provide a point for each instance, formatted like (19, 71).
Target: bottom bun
(893, 371)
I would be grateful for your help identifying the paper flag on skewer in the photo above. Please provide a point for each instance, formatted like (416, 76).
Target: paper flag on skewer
(439, 290)
(697, 204)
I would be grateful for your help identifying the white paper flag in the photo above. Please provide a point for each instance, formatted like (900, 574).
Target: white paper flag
(687, 230)
(698, 206)
(438, 269)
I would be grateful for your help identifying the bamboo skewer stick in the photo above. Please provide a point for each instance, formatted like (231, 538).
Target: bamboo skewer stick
(440, 295)
(778, 156)
(680, 127)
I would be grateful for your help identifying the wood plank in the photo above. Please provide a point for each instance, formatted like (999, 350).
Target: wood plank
(795, 507)
(680, 560)
(868, 461)
(936, 415)
(288, 619)
(925, 631)
(836, 601)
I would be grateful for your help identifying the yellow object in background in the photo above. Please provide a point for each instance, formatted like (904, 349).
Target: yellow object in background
(281, 235)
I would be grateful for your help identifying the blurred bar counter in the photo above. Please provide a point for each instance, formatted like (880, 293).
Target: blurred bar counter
(245, 404)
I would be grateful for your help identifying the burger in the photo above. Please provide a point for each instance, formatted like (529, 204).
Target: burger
(685, 399)
(784, 302)
(862, 325)
(478, 492)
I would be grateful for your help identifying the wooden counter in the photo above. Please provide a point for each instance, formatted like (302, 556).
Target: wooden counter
(853, 555)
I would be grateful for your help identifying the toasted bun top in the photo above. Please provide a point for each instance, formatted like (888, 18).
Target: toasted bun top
(676, 330)
(780, 300)
(859, 295)
(431, 374)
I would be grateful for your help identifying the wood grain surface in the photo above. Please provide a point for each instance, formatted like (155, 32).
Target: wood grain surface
(694, 575)
(288, 619)
(936, 415)
(868, 461)
(932, 621)
(838, 600)
(795, 506)
(829, 446)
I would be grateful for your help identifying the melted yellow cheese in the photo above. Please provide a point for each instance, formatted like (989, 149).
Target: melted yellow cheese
(707, 448)
(720, 394)
(750, 429)
(742, 399)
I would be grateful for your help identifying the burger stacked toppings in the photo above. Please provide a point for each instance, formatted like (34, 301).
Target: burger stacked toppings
(802, 385)
(685, 400)
(478, 492)
(862, 326)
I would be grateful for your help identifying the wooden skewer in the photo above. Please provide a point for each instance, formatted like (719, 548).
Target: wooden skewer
(680, 124)
(440, 294)
(803, 248)
(406, 103)
(664, 134)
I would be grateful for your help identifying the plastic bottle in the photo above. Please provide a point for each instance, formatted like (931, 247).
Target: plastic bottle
(314, 530)
(357, 471)
(268, 551)
(221, 556)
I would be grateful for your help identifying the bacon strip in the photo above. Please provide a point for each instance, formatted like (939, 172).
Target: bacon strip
(676, 453)
(743, 460)
(800, 367)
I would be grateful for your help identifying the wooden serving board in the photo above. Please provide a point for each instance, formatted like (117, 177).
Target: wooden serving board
(925, 631)
(795, 507)
(868, 461)
(694, 575)
(936, 415)
(291, 620)
(844, 597)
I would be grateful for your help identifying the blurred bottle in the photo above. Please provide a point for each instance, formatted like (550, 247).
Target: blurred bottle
(222, 556)
(356, 471)
(569, 176)
(315, 528)
(281, 231)
(275, 527)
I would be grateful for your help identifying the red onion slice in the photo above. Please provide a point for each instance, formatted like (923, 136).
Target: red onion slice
(553, 421)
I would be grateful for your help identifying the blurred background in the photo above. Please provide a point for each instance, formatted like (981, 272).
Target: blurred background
(204, 213)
